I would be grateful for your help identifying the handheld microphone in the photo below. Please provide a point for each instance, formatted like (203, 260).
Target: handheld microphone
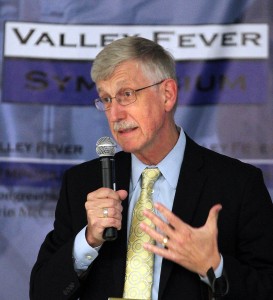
(105, 148)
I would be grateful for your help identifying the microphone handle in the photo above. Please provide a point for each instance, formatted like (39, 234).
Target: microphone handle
(108, 180)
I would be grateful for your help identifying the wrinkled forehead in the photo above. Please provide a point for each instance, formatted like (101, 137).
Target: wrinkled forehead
(127, 74)
(106, 85)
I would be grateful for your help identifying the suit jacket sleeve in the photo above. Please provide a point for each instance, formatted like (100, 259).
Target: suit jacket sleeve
(249, 264)
(53, 275)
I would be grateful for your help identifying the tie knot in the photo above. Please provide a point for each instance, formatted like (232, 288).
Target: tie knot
(149, 177)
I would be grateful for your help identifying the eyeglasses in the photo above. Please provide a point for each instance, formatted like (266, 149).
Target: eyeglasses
(123, 97)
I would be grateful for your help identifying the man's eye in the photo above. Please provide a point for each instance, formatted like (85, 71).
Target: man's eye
(106, 100)
(128, 93)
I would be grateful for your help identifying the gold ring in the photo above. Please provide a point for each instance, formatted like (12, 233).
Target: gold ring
(105, 212)
(165, 242)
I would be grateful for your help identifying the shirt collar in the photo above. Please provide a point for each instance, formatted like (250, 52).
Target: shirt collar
(169, 166)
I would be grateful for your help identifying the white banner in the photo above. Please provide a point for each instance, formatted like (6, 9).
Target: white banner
(83, 42)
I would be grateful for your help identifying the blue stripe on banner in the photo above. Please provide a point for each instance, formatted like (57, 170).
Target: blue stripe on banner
(31, 174)
(68, 82)
(222, 82)
(47, 82)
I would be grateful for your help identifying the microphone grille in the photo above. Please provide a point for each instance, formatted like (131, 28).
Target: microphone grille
(105, 146)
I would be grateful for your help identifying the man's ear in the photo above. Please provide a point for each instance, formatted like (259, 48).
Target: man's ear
(169, 87)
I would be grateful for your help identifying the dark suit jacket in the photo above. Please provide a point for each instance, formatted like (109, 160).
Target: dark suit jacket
(245, 232)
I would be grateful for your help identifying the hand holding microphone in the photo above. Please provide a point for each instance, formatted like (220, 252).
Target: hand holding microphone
(105, 148)
(103, 206)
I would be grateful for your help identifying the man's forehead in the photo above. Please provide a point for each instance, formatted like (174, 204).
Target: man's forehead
(104, 85)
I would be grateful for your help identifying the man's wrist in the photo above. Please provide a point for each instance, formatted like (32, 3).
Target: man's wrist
(218, 271)
(83, 254)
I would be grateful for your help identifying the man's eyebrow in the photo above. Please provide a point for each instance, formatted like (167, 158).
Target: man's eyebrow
(119, 84)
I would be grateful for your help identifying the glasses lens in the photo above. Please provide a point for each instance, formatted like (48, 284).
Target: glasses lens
(126, 97)
(99, 105)
(123, 97)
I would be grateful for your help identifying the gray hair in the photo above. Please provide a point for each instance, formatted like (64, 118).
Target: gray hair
(155, 61)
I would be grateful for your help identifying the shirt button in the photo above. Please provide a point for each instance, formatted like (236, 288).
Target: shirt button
(89, 257)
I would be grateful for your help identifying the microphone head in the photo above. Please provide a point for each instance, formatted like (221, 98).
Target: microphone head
(105, 146)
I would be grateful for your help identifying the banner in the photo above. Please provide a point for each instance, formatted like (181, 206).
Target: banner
(48, 121)
(52, 62)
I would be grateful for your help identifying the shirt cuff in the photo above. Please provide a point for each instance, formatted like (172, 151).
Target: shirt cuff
(218, 271)
(83, 253)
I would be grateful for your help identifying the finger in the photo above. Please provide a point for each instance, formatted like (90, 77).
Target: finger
(213, 216)
(163, 252)
(110, 222)
(122, 194)
(110, 212)
(155, 235)
(106, 193)
(116, 201)
(97, 220)
(162, 241)
(105, 197)
(100, 193)
(98, 207)
(172, 219)
(157, 250)
(159, 223)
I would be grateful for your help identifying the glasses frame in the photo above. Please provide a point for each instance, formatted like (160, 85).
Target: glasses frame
(99, 101)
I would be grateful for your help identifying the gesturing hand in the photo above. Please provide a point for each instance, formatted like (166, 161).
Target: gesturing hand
(103, 209)
(195, 249)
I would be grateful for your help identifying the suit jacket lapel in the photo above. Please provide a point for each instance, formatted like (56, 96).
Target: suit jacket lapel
(190, 183)
(191, 180)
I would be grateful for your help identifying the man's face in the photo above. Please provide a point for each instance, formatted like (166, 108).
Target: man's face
(141, 127)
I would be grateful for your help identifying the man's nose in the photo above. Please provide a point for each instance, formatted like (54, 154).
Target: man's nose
(116, 111)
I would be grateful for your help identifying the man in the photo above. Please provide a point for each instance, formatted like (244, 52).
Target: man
(204, 256)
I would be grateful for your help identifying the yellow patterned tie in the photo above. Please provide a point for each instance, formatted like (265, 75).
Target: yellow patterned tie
(139, 263)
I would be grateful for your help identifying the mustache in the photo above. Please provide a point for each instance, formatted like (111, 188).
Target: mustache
(124, 125)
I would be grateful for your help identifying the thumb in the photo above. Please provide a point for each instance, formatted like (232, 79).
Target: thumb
(122, 194)
(213, 215)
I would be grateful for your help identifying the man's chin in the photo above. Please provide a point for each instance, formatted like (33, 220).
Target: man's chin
(127, 148)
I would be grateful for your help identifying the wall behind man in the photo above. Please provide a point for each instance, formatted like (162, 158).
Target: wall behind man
(48, 121)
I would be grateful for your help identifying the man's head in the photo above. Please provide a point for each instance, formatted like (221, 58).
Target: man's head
(136, 82)
(155, 60)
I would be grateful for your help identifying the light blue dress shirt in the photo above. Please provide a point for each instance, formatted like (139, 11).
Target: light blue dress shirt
(164, 192)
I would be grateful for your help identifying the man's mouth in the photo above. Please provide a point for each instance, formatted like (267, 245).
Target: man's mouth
(124, 127)
(127, 130)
